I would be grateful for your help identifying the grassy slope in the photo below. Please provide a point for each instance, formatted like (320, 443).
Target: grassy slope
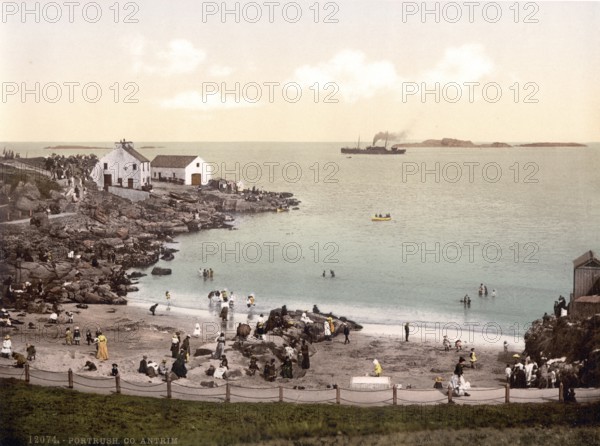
(31, 410)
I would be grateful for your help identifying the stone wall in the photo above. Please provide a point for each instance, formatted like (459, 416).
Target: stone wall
(130, 194)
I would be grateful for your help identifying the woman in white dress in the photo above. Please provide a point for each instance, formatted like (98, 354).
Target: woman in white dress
(196, 333)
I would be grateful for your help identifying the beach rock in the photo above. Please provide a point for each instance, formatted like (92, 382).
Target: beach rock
(202, 352)
(158, 271)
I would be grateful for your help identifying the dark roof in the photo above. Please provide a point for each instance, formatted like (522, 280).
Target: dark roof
(587, 259)
(137, 155)
(176, 161)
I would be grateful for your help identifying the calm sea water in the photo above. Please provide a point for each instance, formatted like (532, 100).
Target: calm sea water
(513, 219)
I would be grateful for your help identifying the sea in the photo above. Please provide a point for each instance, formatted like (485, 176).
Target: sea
(513, 219)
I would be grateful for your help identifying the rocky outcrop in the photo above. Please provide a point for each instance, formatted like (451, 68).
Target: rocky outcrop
(576, 340)
(158, 271)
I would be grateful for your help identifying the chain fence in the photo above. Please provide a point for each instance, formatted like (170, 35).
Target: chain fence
(231, 392)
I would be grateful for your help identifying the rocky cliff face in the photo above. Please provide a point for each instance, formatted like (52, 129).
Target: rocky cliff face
(576, 340)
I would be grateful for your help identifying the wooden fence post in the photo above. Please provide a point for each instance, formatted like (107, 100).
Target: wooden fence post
(338, 396)
(449, 394)
(27, 378)
(70, 374)
(168, 376)
(227, 393)
(560, 393)
(281, 394)
(507, 393)
(395, 395)
(118, 383)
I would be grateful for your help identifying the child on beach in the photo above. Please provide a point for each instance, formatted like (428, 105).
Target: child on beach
(378, 370)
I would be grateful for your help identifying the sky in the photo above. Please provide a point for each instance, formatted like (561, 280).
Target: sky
(299, 71)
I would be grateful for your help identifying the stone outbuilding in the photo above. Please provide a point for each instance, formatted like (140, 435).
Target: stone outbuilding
(585, 300)
(182, 169)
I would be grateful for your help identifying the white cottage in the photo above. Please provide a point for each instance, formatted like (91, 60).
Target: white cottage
(124, 167)
(183, 169)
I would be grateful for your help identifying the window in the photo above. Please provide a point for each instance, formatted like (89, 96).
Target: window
(197, 164)
(105, 166)
(135, 167)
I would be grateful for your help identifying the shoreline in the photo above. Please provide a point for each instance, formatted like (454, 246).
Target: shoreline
(424, 331)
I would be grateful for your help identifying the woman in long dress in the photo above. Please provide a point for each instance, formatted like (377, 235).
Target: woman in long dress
(305, 355)
(175, 341)
(102, 353)
(220, 346)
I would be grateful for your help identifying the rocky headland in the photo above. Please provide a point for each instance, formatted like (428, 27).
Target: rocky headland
(67, 241)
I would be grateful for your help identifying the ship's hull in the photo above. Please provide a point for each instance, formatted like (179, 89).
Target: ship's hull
(374, 151)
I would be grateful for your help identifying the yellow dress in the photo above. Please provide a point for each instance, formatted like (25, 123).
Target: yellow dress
(102, 348)
(378, 370)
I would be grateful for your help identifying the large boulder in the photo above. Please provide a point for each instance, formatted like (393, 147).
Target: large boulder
(158, 271)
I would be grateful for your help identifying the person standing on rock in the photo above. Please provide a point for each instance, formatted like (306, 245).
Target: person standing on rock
(168, 297)
(305, 355)
(406, 331)
(102, 353)
(88, 337)
(220, 346)
(76, 336)
(69, 337)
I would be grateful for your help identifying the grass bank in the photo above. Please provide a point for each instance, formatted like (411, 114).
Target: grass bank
(63, 416)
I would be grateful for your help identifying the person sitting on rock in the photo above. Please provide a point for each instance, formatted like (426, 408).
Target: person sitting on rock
(152, 369)
(253, 367)
(270, 371)
(53, 319)
(162, 368)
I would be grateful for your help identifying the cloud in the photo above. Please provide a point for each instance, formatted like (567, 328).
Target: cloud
(356, 77)
(467, 63)
(220, 71)
(194, 100)
(180, 57)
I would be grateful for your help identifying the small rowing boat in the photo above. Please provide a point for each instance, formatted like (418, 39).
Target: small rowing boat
(376, 218)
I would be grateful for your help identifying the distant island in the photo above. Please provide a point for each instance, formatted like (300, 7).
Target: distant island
(553, 144)
(75, 148)
(92, 147)
(451, 142)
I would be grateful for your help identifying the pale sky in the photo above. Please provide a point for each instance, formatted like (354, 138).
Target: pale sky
(359, 76)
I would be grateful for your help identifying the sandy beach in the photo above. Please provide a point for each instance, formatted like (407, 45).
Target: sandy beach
(132, 332)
